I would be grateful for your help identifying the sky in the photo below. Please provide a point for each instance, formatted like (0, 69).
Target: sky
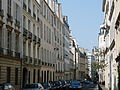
(85, 18)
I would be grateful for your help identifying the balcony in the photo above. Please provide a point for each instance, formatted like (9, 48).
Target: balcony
(17, 55)
(17, 23)
(10, 18)
(1, 13)
(29, 10)
(24, 6)
(1, 50)
(29, 35)
(9, 53)
(25, 32)
(34, 15)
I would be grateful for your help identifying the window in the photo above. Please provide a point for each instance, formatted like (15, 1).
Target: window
(24, 48)
(44, 32)
(29, 49)
(29, 25)
(38, 31)
(33, 28)
(9, 40)
(0, 72)
(38, 76)
(41, 29)
(29, 4)
(34, 51)
(37, 13)
(44, 76)
(38, 52)
(9, 7)
(34, 9)
(0, 37)
(34, 71)
(8, 74)
(42, 54)
(29, 77)
(17, 12)
(16, 76)
(17, 43)
(24, 22)
(0, 4)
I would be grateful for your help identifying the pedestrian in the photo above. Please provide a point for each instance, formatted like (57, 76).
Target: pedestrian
(99, 88)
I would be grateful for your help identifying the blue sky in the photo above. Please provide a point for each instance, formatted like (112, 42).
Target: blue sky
(85, 17)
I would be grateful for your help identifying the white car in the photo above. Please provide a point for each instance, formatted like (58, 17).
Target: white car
(34, 86)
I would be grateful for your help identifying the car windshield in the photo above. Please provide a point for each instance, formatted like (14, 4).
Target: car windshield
(31, 86)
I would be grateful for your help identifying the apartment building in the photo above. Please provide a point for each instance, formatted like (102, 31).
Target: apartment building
(101, 53)
(31, 41)
(82, 63)
(10, 40)
(111, 9)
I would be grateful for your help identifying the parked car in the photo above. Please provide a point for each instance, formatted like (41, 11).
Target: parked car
(34, 86)
(46, 86)
(58, 85)
(52, 84)
(75, 84)
(65, 86)
(6, 86)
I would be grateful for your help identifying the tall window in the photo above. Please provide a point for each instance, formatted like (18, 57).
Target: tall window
(38, 53)
(37, 13)
(38, 31)
(9, 40)
(38, 76)
(0, 72)
(17, 12)
(8, 74)
(24, 22)
(0, 4)
(44, 32)
(16, 76)
(17, 43)
(0, 37)
(29, 4)
(29, 25)
(9, 7)
(33, 28)
(29, 49)
(34, 51)
(41, 29)
(29, 77)
(34, 71)
(42, 54)
(24, 48)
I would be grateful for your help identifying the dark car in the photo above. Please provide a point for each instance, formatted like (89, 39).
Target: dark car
(75, 84)
(6, 86)
(47, 86)
(52, 84)
(34, 86)
(58, 85)
(65, 86)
